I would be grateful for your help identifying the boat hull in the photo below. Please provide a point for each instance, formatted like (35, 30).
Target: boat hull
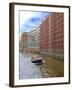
(37, 61)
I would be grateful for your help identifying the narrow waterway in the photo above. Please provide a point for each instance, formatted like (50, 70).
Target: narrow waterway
(29, 70)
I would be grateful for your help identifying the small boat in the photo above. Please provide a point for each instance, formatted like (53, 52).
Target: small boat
(37, 60)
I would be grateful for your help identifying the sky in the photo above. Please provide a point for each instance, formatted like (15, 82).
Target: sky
(31, 20)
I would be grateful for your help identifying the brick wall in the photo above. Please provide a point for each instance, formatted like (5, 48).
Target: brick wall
(52, 35)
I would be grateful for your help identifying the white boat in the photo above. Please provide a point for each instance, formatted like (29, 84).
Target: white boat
(37, 60)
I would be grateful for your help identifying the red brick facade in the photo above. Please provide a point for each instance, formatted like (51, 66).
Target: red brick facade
(52, 34)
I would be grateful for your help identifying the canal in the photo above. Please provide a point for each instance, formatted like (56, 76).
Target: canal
(51, 67)
(29, 70)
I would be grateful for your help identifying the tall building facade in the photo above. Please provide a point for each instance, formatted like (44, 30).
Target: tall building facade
(52, 35)
(23, 42)
(34, 40)
(30, 41)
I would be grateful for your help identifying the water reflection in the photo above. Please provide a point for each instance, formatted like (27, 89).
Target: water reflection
(29, 70)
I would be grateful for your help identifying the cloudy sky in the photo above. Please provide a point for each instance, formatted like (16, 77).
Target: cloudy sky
(30, 20)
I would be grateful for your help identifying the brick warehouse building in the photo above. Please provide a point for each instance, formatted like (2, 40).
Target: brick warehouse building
(23, 42)
(34, 40)
(30, 41)
(52, 35)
